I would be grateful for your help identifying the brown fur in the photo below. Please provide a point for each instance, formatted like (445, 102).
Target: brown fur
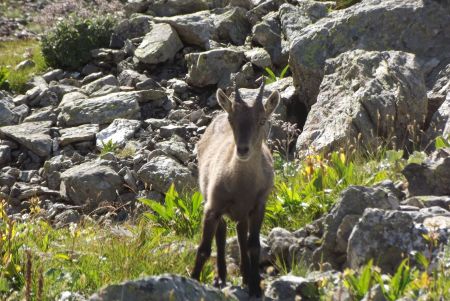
(236, 177)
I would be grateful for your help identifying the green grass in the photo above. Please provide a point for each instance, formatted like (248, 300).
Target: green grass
(87, 256)
(12, 53)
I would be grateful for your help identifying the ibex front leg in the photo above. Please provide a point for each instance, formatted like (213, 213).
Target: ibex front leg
(210, 222)
(221, 235)
(254, 249)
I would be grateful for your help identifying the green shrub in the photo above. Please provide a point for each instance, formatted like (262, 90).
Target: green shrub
(180, 215)
(68, 45)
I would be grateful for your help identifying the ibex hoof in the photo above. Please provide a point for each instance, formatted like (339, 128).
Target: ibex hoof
(219, 283)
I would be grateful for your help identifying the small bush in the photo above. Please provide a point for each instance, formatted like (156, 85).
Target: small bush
(183, 215)
(68, 45)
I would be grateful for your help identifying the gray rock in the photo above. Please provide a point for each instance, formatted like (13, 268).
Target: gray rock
(7, 115)
(161, 171)
(233, 250)
(259, 57)
(282, 245)
(428, 201)
(44, 114)
(360, 95)
(224, 24)
(231, 25)
(5, 155)
(35, 136)
(353, 201)
(267, 33)
(385, 236)
(440, 123)
(134, 27)
(85, 132)
(130, 78)
(213, 67)
(168, 131)
(55, 74)
(66, 217)
(119, 132)
(159, 288)
(25, 191)
(262, 9)
(101, 110)
(175, 148)
(106, 85)
(155, 123)
(432, 177)
(408, 25)
(193, 29)
(159, 45)
(26, 64)
(294, 18)
(163, 8)
(90, 183)
(291, 288)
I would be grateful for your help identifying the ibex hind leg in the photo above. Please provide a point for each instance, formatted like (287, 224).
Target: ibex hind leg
(221, 235)
(210, 223)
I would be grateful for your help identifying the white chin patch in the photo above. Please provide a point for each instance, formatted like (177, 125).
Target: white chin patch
(240, 158)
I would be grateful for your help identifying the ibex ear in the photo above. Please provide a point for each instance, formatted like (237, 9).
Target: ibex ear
(271, 103)
(224, 101)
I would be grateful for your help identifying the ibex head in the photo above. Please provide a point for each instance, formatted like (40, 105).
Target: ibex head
(248, 120)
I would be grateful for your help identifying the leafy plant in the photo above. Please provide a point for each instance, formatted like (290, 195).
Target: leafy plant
(442, 142)
(4, 73)
(394, 287)
(271, 77)
(109, 147)
(359, 284)
(181, 215)
(69, 43)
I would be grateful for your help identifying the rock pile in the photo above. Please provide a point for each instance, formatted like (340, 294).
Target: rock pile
(126, 125)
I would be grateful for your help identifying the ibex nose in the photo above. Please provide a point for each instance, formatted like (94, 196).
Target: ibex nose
(243, 150)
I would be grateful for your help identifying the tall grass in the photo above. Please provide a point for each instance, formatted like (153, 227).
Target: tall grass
(14, 52)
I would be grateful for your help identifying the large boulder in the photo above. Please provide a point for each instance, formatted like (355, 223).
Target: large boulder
(161, 171)
(159, 45)
(159, 288)
(35, 136)
(134, 27)
(431, 177)
(366, 98)
(224, 24)
(100, 110)
(213, 66)
(90, 183)
(415, 26)
(386, 237)
(344, 215)
(163, 8)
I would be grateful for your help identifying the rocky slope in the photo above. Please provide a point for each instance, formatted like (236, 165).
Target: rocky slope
(374, 71)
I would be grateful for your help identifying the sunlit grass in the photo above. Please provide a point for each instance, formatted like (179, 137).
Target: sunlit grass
(14, 52)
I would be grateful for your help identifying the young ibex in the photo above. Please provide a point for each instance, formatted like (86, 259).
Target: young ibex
(236, 177)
